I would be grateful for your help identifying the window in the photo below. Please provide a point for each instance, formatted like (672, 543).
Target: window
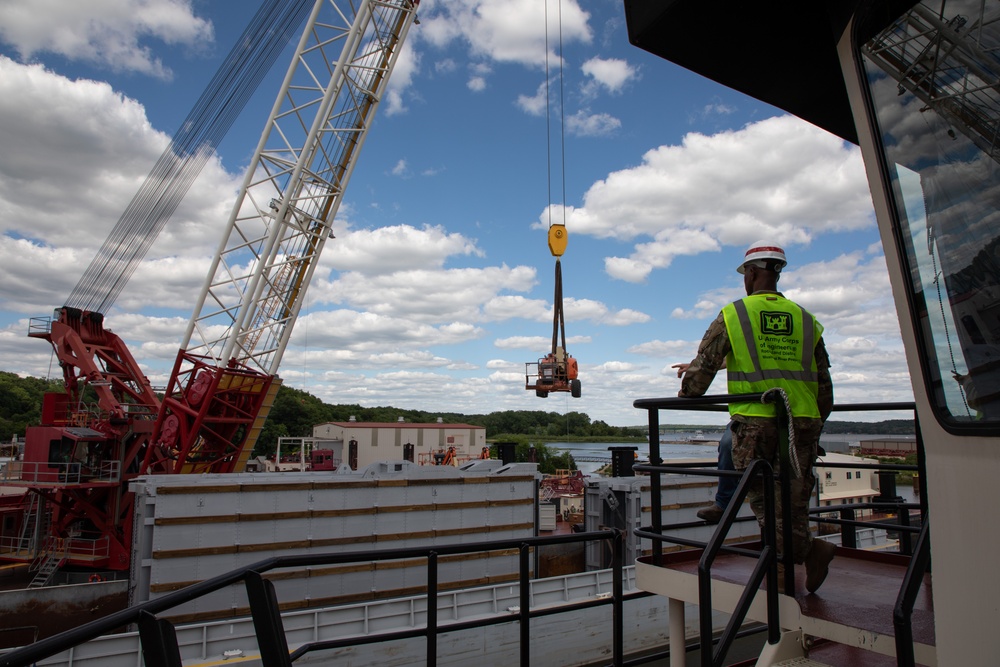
(933, 87)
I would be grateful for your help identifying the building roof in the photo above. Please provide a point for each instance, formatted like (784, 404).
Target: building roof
(437, 425)
(847, 493)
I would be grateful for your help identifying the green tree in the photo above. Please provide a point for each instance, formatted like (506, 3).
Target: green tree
(548, 459)
(21, 402)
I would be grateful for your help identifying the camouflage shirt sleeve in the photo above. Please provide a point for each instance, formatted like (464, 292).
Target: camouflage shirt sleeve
(825, 397)
(711, 357)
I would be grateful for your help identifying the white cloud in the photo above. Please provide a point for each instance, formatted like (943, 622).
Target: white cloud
(610, 74)
(779, 177)
(445, 66)
(346, 329)
(625, 317)
(85, 150)
(431, 296)
(503, 364)
(511, 31)
(509, 306)
(659, 253)
(616, 367)
(403, 72)
(586, 124)
(397, 248)
(535, 342)
(681, 349)
(534, 105)
(103, 32)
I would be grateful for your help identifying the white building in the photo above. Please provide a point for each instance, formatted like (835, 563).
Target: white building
(359, 444)
(844, 486)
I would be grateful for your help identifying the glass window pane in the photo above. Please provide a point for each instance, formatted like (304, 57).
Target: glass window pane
(933, 79)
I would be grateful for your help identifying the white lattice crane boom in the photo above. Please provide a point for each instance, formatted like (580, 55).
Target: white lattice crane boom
(224, 378)
(290, 196)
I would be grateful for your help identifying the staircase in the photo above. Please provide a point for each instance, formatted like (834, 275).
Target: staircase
(50, 564)
(848, 622)
(34, 527)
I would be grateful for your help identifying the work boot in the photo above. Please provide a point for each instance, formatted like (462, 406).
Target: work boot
(818, 564)
(711, 514)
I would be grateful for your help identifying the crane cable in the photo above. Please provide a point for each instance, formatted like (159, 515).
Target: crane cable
(558, 314)
(548, 117)
(194, 143)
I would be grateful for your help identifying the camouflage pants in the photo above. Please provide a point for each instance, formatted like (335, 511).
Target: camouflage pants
(757, 438)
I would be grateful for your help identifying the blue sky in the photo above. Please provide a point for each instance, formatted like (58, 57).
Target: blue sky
(438, 286)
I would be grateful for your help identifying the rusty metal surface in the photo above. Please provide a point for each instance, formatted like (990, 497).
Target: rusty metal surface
(27, 615)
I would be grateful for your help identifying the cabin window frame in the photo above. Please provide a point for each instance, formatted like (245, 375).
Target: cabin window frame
(930, 361)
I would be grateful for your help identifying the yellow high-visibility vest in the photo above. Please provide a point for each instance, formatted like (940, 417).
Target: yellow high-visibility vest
(773, 344)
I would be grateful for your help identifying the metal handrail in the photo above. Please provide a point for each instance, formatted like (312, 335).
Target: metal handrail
(717, 403)
(902, 612)
(159, 642)
(766, 565)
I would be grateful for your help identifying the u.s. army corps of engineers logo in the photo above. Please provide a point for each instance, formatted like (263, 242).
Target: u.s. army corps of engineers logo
(775, 323)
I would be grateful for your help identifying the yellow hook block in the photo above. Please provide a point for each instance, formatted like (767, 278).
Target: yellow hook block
(557, 239)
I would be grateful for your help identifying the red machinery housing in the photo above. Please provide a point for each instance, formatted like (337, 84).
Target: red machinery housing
(111, 427)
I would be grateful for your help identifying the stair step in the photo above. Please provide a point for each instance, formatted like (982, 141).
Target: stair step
(800, 662)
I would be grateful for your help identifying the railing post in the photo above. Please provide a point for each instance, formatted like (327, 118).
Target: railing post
(432, 608)
(785, 478)
(525, 612)
(905, 537)
(655, 492)
(902, 613)
(159, 641)
(770, 538)
(267, 622)
(848, 532)
(618, 592)
(921, 468)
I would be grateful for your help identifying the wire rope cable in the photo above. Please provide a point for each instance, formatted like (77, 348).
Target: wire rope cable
(194, 143)
(558, 314)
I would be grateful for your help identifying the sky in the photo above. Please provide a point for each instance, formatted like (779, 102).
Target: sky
(439, 284)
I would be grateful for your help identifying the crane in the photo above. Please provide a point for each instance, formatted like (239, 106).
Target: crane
(111, 426)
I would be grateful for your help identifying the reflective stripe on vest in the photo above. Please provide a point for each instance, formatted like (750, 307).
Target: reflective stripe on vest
(773, 343)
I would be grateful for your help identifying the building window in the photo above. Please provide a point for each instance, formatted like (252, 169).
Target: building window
(857, 475)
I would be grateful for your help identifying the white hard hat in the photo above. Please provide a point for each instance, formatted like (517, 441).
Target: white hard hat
(766, 255)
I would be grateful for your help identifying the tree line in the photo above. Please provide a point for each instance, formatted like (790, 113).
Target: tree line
(295, 412)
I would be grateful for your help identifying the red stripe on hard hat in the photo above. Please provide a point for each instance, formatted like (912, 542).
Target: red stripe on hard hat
(762, 248)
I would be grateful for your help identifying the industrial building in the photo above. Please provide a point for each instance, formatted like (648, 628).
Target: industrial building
(359, 444)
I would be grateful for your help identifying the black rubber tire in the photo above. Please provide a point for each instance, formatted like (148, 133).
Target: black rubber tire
(541, 393)
(575, 388)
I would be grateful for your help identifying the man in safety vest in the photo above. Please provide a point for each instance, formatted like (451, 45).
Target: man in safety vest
(765, 341)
